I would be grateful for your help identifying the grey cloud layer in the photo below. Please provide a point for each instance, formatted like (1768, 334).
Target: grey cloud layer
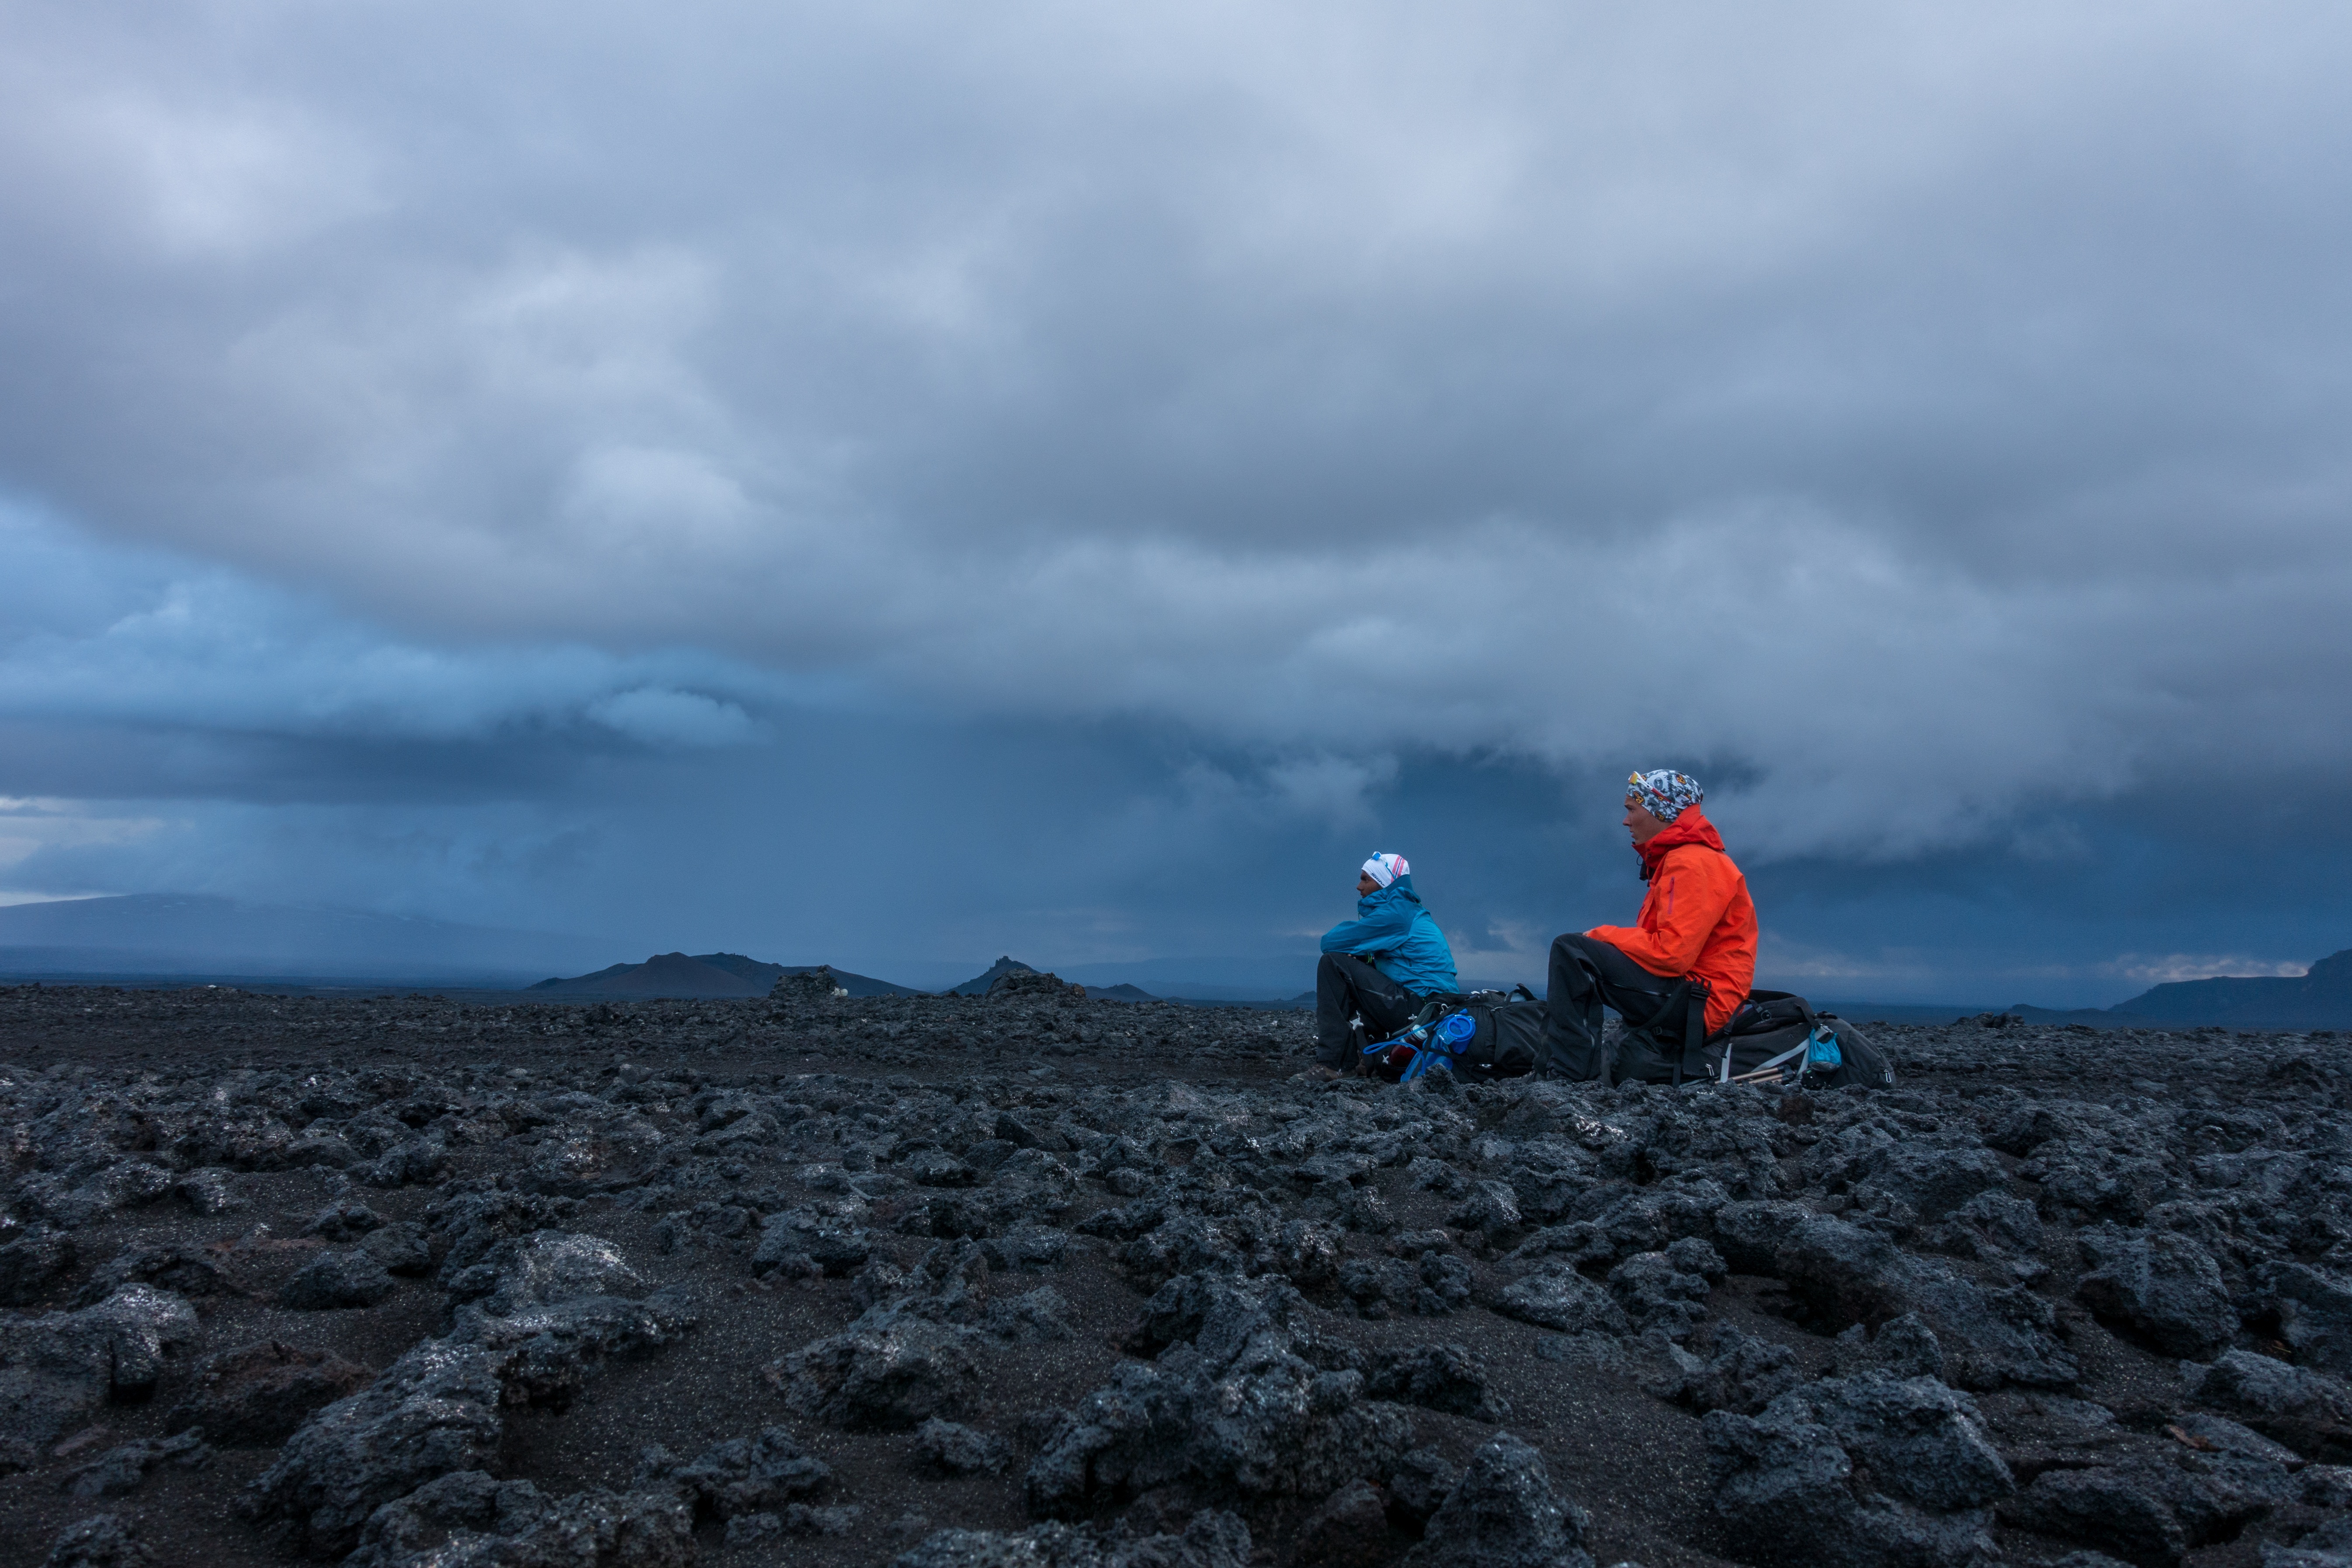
(117, 636)
(1914, 415)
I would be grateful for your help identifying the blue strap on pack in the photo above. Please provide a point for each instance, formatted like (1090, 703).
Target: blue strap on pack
(1432, 1044)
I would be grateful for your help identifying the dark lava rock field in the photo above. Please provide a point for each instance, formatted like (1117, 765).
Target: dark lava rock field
(1037, 1281)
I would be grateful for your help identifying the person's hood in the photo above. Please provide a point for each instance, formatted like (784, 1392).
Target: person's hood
(1691, 827)
(1401, 887)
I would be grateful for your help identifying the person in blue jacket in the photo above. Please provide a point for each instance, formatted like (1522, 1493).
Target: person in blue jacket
(1379, 966)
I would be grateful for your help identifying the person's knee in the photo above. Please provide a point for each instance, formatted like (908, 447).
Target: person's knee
(1575, 944)
(1337, 973)
(1572, 969)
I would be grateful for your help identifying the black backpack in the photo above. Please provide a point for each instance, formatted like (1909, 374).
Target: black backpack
(1508, 1032)
(1509, 1038)
(1862, 1063)
(1777, 1038)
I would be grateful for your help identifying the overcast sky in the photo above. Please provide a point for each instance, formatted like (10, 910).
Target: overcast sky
(895, 484)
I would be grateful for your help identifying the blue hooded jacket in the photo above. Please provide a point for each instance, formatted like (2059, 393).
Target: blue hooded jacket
(1399, 937)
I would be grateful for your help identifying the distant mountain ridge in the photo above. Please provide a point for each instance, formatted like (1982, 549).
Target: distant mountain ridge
(2321, 999)
(664, 975)
(180, 938)
(198, 932)
(705, 976)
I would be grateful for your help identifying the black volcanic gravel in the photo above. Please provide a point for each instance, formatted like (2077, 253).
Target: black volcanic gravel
(1046, 1281)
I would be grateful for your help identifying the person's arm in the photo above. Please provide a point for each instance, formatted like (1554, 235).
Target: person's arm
(1690, 894)
(1377, 931)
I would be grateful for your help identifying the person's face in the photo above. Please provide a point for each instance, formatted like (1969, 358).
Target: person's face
(1365, 886)
(1640, 822)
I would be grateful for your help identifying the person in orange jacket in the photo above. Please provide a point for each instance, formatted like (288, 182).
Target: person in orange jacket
(1696, 922)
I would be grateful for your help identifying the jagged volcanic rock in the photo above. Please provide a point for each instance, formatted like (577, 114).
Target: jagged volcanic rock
(1034, 1278)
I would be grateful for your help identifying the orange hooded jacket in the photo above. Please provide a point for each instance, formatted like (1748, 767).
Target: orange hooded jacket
(1698, 918)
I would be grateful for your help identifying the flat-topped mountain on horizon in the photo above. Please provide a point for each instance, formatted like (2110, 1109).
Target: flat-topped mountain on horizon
(2320, 999)
(705, 976)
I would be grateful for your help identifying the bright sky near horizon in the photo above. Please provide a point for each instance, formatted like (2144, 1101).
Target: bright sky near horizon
(906, 481)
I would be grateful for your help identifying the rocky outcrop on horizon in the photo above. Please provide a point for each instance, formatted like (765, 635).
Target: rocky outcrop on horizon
(978, 985)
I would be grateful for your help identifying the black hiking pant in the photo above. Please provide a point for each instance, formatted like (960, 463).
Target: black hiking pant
(1346, 987)
(1588, 975)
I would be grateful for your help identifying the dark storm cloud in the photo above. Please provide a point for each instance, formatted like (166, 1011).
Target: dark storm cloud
(1927, 422)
